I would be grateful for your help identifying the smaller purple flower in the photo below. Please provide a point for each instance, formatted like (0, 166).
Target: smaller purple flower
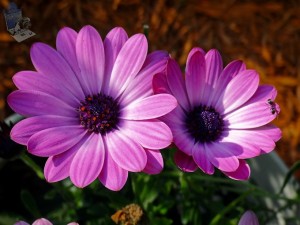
(223, 115)
(248, 218)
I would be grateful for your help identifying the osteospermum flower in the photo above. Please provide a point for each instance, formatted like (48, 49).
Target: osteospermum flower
(223, 115)
(91, 107)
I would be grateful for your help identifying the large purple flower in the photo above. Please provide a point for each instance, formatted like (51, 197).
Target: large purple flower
(223, 115)
(91, 107)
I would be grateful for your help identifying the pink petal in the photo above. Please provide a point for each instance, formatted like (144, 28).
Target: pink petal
(23, 130)
(88, 161)
(42, 221)
(148, 108)
(245, 139)
(176, 83)
(185, 162)
(91, 59)
(160, 84)
(223, 155)
(66, 46)
(201, 158)
(248, 218)
(113, 43)
(128, 63)
(30, 80)
(195, 76)
(263, 93)
(241, 173)
(126, 152)
(152, 134)
(155, 162)
(54, 141)
(58, 166)
(230, 71)
(214, 66)
(250, 116)
(49, 62)
(249, 149)
(270, 130)
(112, 175)
(35, 103)
(141, 86)
(238, 91)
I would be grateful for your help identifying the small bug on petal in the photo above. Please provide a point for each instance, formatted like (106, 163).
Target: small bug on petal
(273, 106)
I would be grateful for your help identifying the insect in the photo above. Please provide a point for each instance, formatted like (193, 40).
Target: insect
(273, 106)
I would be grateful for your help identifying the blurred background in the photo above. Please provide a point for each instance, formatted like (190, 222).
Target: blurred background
(265, 34)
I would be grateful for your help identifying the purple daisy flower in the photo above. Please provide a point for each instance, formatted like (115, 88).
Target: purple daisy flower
(222, 117)
(91, 107)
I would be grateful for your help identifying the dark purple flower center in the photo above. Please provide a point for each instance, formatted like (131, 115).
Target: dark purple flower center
(204, 124)
(99, 113)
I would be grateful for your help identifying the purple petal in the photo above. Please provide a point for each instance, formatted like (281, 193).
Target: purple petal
(214, 66)
(112, 175)
(88, 161)
(200, 157)
(248, 218)
(30, 80)
(152, 134)
(57, 167)
(230, 71)
(141, 86)
(241, 173)
(250, 116)
(160, 84)
(91, 59)
(23, 130)
(195, 76)
(183, 140)
(271, 131)
(21, 223)
(54, 141)
(155, 162)
(223, 155)
(126, 152)
(148, 108)
(238, 91)
(42, 221)
(113, 43)
(35, 103)
(66, 46)
(49, 62)
(175, 119)
(128, 63)
(176, 83)
(185, 162)
(263, 93)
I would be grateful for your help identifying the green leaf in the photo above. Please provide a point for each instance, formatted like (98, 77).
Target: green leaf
(35, 167)
(292, 170)
(30, 203)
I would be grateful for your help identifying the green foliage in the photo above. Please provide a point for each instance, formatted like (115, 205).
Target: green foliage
(169, 198)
